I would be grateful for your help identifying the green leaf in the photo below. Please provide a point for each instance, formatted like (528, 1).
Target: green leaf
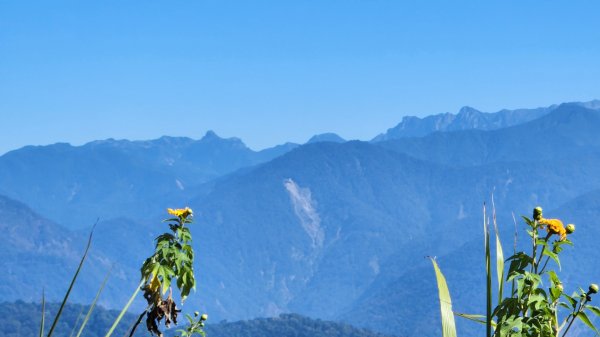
(475, 318)
(553, 256)
(448, 325)
(571, 300)
(593, 309)
(528, 221)
(553, 277)
(583, 317)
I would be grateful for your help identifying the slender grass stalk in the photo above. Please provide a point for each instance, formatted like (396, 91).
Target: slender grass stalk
(79, 317)
(118, 319)
(448, 325)
(43, 314)
(93, 305)
(512, 290)
(488, 275)
(62, 305)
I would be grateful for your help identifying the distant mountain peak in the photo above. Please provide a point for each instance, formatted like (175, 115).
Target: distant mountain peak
(210, 135)
(467, 118)
(326, 137)
(467, 110)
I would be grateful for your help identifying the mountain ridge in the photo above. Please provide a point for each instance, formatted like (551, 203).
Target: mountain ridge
(469, 118)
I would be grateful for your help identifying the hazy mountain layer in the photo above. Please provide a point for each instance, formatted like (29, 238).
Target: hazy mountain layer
(74, 185)
(329, 230)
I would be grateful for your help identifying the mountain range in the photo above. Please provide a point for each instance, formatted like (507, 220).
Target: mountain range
(331, 229)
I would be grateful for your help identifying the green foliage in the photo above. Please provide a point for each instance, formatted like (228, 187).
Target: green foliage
(173, 258)
(195, 325)
(531, 309)
(16, 323)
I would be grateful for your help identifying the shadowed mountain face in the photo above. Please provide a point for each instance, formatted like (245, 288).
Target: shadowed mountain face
(329, 230)
(38, 254)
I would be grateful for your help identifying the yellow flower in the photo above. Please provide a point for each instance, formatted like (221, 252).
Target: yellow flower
(554, 226)
(180, 212)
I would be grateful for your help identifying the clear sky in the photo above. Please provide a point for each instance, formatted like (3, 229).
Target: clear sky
(276, 71)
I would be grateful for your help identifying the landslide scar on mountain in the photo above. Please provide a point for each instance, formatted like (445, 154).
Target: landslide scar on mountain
(305, 211)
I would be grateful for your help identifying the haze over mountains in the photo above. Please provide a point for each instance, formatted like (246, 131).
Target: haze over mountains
(331, 229)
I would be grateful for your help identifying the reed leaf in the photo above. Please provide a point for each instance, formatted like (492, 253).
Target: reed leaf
(499, 256)
(448, 325)
(124, 310)
(79, 316)
(488, 274)
(43, 314)
(64, 301)
(93, 305)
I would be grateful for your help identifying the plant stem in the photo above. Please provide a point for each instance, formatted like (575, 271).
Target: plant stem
(545, 264)
(137, 289)
(541, 254)
(575, 313)
(138, 321)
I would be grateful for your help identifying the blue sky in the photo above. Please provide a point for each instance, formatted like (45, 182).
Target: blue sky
(276, 71)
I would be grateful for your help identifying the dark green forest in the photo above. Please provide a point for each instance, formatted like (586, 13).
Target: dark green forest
(21, 319)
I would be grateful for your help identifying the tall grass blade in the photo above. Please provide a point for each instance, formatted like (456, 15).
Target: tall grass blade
(499, 255)
(43, 314)
(114, 326)
(475, 318)
(79, 316)
(488, 275)
(62, 305)
(93, 305)
(448, 325)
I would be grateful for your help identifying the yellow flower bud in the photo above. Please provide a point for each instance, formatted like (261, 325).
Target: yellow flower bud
(570, 228)
(204, 317)
(593, 288)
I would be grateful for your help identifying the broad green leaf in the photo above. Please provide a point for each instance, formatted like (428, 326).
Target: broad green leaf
(448, 325)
